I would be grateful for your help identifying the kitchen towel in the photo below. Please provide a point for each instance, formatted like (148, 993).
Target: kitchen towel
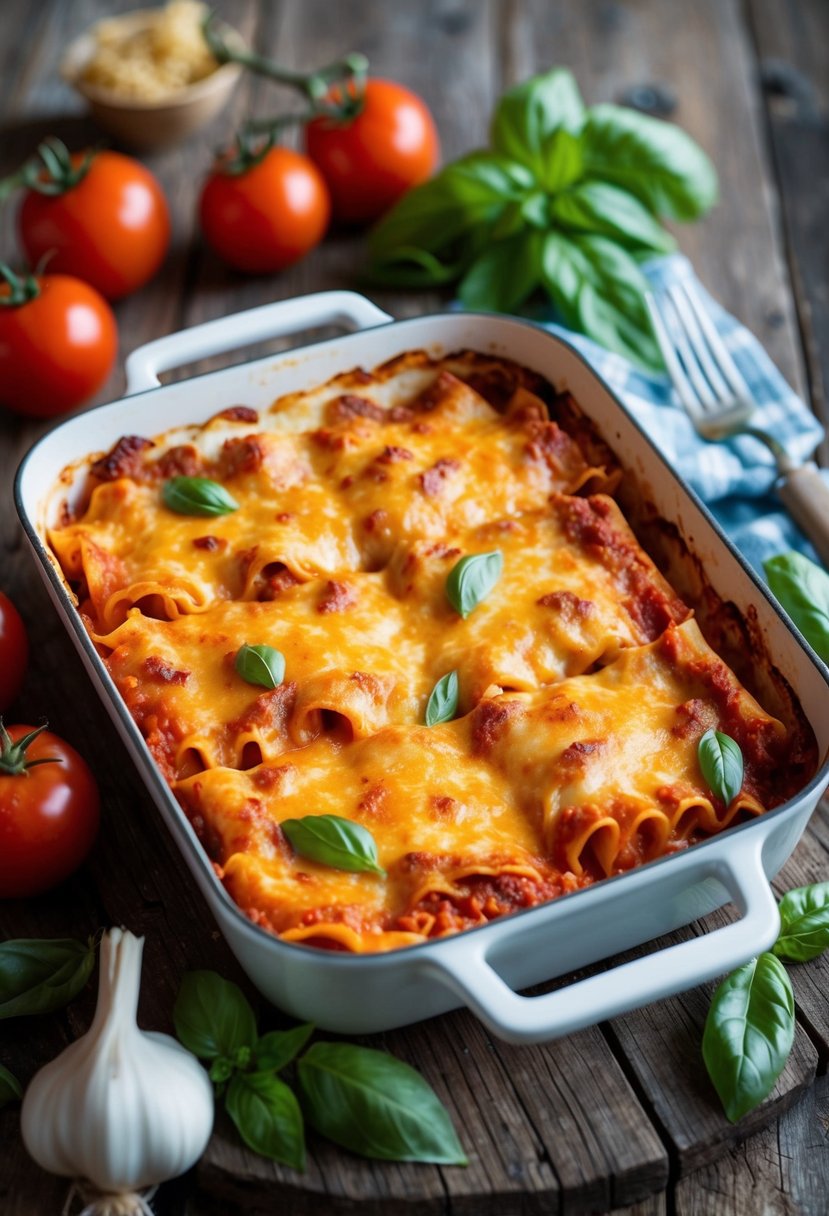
(734, 478)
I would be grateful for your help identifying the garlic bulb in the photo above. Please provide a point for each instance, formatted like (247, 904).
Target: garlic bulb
(121, 1107)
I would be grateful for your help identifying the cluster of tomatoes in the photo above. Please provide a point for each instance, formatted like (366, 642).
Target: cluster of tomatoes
(100, 224)
(49, 804)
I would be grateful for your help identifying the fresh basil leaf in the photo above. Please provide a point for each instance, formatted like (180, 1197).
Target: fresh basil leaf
(333, 841)
(443, 700)
(375, 1105)
(261, 665)
(528, 115)
(197, 496)
(212, 1016)
(267, 1117)
(802, 588)
(472, 579)
(39, 975)
(749, 1033)
(598, 289)
(804, 923)
(655, 160)
(470, 192)
(721, 762)
(505, 273)
(602, 208)
(409, 266)
(278, 1047)
(10, 1088)
(563, 161)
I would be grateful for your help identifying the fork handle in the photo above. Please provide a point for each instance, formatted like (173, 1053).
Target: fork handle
(805, 495)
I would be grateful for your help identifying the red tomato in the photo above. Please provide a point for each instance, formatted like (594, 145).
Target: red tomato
(14, 652)
(371, 160)
(56, 349)
(267, 217)
(48, 813)
(112, 229)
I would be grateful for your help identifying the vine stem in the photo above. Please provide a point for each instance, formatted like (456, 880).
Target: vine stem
(314, 85)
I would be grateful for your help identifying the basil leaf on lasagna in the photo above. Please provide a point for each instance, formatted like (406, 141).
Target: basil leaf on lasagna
(749, 1033)
(262, 665)
(721, 762)
(376, 1105)
(197, 496)
(334, 841)
(443, 700)
(472, 579)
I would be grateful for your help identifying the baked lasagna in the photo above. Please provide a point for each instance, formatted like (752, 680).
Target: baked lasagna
(580, 685)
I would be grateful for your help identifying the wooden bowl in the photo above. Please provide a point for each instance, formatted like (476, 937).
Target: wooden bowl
(162, 121)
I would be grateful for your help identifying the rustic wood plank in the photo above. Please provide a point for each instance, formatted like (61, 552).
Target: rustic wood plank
(662, 1049)
(703, 52)
(543, 1137)
(792, 41)
(783, 1171)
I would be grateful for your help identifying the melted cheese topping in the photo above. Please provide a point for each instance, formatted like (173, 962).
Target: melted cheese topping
(584, 684)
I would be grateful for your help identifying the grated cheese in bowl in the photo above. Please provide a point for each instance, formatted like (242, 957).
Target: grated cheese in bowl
(163, 55)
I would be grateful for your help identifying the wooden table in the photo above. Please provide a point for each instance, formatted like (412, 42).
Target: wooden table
(621, 1116)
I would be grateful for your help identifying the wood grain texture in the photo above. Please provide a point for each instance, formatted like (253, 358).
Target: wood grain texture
(782, 1171)
(592, 1123)
(792, 40)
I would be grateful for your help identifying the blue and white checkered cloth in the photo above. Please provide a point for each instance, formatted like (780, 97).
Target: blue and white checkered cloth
(734, 478)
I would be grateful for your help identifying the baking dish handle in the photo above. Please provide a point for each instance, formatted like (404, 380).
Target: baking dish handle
(282, 317)
(464, 967)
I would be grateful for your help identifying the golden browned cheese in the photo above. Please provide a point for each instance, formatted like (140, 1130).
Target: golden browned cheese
(584, 682)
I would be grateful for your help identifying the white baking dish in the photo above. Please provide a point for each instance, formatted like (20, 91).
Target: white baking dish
(483, 967)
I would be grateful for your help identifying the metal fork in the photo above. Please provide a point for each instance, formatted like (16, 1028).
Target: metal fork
(718, 401)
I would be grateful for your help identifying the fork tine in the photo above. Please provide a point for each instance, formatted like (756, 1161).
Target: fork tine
(687, 396)
(684, 342)
(719, 351)
(699, 346)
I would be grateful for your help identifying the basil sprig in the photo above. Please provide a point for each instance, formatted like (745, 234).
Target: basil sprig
(567, 199)
(10, 1088)
(804, 923)
(41, 975)
(197, 496)
(750, 1026)
(261, 665)
(375, 1105)
(334, 841)
(803, 590)
(749, 1033)
(721, 762)
(367, 1101)
(443, 700)
(472, 579)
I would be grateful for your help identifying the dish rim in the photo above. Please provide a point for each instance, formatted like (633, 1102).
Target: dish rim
(150, 772)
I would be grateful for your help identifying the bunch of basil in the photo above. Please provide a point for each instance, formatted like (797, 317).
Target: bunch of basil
(364, 1100)
(568, 199)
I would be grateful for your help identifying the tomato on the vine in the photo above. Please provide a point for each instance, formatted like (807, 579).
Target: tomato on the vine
(261, 217)
(58, 342)
(100, 216)
(371, 159)
(14, 652)
(49, 810)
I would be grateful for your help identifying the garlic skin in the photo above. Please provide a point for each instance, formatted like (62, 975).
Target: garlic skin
(121, 1107)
